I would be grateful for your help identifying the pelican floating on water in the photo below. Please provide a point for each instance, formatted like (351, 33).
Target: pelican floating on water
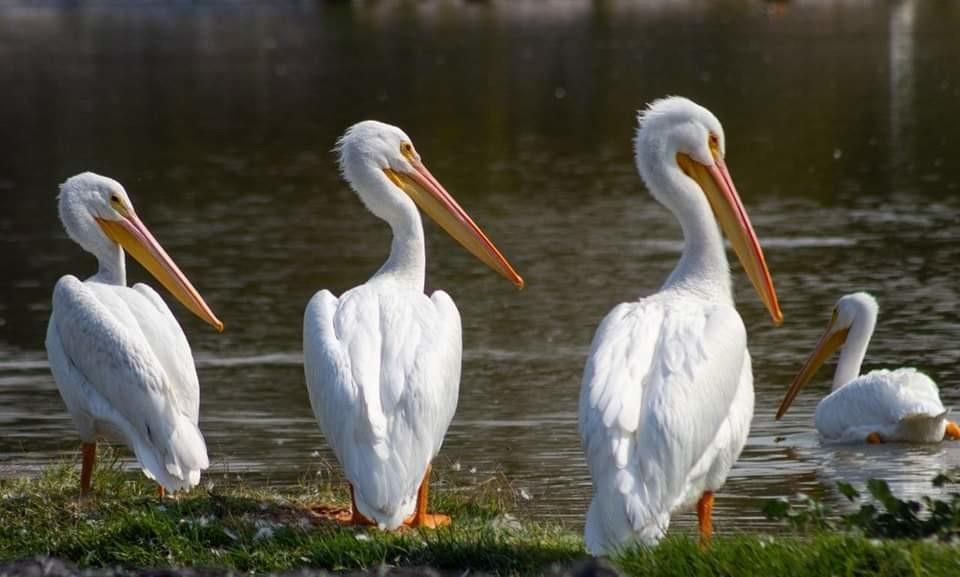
(118, 355)
(382, 362)
(667, 393)
(880, 406)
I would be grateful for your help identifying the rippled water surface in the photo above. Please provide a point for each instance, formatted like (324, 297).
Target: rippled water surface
(219, 119)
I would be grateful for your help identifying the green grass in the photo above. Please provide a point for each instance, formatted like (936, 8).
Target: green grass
(824, 554)
(125, 524)
(259, 530)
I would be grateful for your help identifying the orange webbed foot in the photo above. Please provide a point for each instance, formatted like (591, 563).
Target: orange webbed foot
(422, 519)
(874, 438)
(952, 432)
(427, 521)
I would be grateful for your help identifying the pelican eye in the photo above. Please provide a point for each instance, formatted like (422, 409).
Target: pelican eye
(714, 144)
(117, 204)
(406, 149)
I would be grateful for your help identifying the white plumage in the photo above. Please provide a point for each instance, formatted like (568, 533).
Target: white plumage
(667, 394)
(880, 406)
(383, 372)
(382, 362)
(119, 357)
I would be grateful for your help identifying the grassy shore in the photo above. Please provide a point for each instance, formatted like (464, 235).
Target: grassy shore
(251, 530)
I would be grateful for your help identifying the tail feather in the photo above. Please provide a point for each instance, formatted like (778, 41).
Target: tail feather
(922, 416)
(922, 427)
(389, 517)
(177, 465)
(608, 529)
(189, 449)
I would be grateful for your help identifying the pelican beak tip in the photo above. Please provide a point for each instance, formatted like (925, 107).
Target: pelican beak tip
(777, 318)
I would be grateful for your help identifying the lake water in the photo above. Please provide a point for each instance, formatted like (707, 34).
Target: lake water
(219, 119)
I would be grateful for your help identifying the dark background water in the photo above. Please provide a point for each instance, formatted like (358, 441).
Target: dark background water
(219, 119)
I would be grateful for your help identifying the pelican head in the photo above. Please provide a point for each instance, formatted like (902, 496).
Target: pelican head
(381, 164)
(679, 151)
(98, 215)
(855, 314)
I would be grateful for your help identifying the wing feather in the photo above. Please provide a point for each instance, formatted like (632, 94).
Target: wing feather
(110, 375)
(877, 402)
(657, 388)
(383, 372)
(169, 344)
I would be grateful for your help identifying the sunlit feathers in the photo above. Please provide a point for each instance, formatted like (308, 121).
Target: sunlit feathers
(667, 393)
(119, 357)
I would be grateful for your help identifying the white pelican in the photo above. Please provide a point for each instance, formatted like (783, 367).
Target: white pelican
(118, 355)
(880, 406)
(382, 362)
(667, 393)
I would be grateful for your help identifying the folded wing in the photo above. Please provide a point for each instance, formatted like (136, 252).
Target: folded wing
(383, 373)
(877, 402)
(124, 371)
(658, 386)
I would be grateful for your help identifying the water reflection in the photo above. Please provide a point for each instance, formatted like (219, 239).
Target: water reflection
(901, 47)
(219, 120)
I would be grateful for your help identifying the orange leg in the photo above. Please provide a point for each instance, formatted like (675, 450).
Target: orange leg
(89, 451)
(421, 518)
(705, 517)
(952, 432)
(161, 492)
(874, 438)
(355, 517)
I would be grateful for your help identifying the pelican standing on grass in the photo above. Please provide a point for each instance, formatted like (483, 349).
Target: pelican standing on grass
(382, 362)
(118, 355)
(667, 393)
(880, 406)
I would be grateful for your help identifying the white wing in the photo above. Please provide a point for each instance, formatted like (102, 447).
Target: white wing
(383, 372)
(657, 389)
(170, 345)
(124, 370)
(883, 402)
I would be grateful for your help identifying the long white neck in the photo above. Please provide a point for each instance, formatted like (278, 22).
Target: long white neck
(407, 261)
(855, 348)
(703, 268)
(112, 266)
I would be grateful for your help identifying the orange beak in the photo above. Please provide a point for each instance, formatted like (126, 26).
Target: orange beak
(434, 200)
(829, 342)
(722, 194)
(131, 234)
